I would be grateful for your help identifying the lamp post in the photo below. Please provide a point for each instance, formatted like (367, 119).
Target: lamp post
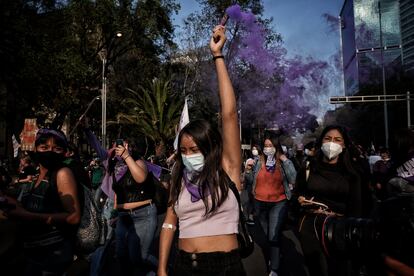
(384, 87)
(103, 56)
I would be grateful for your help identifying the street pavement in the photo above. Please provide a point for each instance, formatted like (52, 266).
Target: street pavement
(292, 262)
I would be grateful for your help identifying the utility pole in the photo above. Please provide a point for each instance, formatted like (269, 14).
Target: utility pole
(384, 88)
(103, 56)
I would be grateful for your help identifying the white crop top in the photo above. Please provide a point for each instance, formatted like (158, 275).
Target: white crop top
(194, 223)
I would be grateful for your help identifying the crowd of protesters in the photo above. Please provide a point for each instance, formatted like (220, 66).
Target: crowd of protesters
(306, 186)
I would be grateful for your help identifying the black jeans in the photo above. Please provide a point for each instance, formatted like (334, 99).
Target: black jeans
(207, 264)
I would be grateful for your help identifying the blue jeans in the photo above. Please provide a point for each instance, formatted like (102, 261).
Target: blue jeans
(134, 234)
(271, 216)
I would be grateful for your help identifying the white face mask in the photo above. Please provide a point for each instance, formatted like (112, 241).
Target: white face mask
(307, 152)
(255, 152)
(269, 151)
(193, 162)
(331, 150)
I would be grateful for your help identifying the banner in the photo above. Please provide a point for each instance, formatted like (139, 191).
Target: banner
(28, 135)
(184, 120)
(16, 146)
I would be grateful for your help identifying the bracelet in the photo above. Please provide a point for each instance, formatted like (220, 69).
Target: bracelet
(216, 57)
(169, 226)
(127, 157)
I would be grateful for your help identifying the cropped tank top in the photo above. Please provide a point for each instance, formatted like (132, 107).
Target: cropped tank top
(194, 223)
(128, 190)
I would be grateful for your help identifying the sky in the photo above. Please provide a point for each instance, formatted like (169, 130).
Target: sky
(300, 22)
(305, 32)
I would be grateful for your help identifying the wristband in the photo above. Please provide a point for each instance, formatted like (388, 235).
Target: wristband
(127, 157)
(169, 226)
(216, 57)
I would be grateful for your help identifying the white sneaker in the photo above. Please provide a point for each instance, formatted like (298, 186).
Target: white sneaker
(272, 273)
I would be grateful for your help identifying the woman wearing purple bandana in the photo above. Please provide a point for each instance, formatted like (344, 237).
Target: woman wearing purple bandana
(137, 215)
(201, 202)
(272, 179)
(49, 208)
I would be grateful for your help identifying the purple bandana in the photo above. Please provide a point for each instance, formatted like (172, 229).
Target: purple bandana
(120, 170)
(270, 163)
(193, 189)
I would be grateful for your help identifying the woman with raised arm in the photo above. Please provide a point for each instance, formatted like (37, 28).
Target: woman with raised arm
(201, 201)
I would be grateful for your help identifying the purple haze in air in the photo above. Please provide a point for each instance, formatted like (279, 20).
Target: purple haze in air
(275, 90)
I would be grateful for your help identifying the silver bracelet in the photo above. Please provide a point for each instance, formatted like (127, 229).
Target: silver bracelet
(169, 226)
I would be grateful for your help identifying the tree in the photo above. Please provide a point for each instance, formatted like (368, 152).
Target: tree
(270, 87)
(52, 51)
(155, 110)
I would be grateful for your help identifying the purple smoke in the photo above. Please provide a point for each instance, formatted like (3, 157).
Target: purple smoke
(250, 48)
(274, 89)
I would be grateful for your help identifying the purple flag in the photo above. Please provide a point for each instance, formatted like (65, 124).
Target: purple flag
(155, 169)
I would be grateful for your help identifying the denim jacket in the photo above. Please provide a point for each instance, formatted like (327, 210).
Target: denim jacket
(288, 173)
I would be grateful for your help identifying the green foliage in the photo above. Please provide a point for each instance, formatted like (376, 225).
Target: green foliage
(51, 52)
(198, 76)
(155, 110)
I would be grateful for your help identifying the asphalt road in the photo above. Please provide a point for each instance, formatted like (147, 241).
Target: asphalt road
(292, 262)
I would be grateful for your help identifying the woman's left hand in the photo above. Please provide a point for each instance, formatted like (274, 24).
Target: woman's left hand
(282, 157)
(217, 40)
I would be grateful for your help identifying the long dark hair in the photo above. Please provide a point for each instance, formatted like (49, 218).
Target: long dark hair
(346, 160)
(402, 145)
(136, 149)
(44, 134)
(212, 178)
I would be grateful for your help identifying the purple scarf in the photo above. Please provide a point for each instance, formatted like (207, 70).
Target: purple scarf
(193, 189)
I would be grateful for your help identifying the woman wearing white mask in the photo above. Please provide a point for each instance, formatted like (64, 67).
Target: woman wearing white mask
(331, 179)
(201, 201)
(272, 179)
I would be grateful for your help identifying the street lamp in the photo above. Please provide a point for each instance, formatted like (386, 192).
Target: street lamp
(103, 55)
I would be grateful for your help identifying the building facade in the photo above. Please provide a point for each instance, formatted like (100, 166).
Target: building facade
(407, 34)
(372, 51)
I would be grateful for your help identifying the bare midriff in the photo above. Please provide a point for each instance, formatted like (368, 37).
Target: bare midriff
(221, 243)
(132, 205)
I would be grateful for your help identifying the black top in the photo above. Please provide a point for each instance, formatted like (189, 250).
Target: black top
(26, 171)
(128, 190)
(43, 199)
(332, 185)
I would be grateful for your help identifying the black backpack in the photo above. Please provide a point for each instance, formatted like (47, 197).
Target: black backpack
(160, 198)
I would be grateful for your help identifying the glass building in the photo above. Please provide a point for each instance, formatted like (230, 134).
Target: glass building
(371, 41)
(407, 34)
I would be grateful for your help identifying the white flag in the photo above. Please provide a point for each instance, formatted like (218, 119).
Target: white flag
(16, 146)
(184, 120)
